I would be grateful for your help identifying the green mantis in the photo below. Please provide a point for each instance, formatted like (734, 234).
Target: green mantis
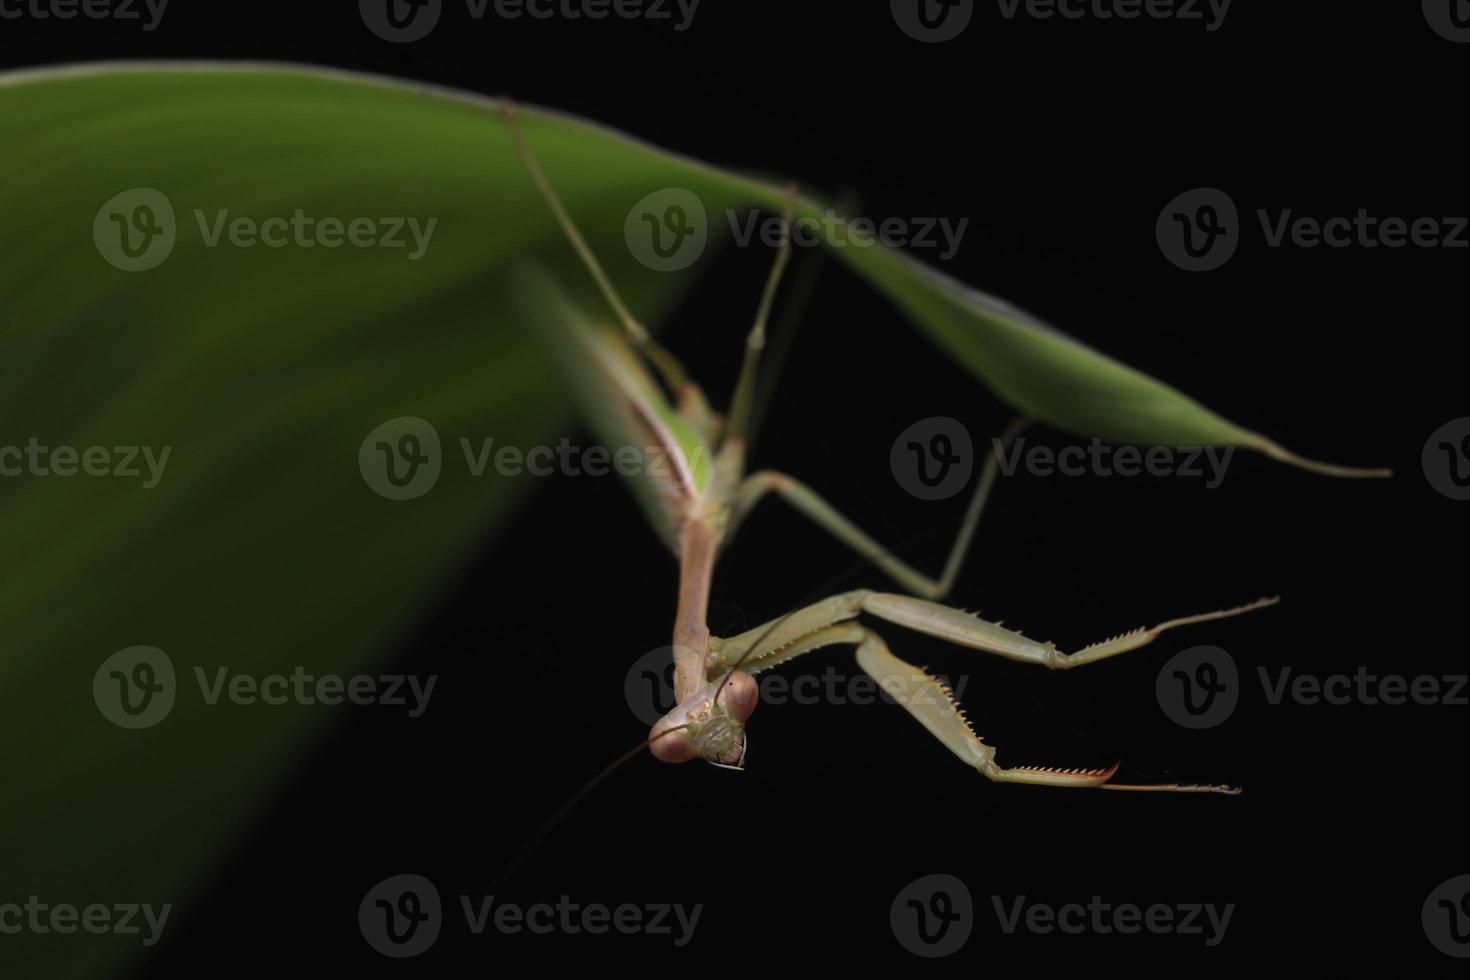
(637, 394)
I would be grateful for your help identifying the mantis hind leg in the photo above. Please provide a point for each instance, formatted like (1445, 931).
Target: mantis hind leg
(742, 405)
(668, 366)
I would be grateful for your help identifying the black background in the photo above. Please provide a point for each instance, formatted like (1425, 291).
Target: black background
(1061, 141)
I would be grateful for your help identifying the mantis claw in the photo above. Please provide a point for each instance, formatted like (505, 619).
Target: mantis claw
(1046, 776)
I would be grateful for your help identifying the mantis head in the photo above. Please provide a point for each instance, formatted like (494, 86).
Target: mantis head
(709, 724)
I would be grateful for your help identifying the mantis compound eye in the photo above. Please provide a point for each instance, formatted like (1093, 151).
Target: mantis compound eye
(740, 695)
(708, 725)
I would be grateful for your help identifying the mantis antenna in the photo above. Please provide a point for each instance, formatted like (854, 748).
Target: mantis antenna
(551, 823)
(556, 818)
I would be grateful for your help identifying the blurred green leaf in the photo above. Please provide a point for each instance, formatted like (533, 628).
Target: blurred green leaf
(262, 547)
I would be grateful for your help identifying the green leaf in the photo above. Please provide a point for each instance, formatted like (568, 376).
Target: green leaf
(1053, 378)
(262, 370)
(262, 548)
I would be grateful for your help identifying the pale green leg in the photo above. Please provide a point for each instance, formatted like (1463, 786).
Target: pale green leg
(755, 649)
(927, 698)
(805, 500)
(742, 404)
(967, 630)
(830, 622)
(673, 372)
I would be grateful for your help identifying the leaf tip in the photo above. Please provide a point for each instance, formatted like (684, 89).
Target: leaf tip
(1326, 469)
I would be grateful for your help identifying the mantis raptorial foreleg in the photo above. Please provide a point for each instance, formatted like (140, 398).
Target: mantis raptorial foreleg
(930, 701)
(831, 622)
(967, 630)
(763, 646)
(805, 500)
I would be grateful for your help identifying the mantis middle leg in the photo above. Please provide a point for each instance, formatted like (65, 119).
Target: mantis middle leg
(805, 500)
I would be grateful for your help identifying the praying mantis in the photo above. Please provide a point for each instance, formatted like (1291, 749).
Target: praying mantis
(638, 394)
